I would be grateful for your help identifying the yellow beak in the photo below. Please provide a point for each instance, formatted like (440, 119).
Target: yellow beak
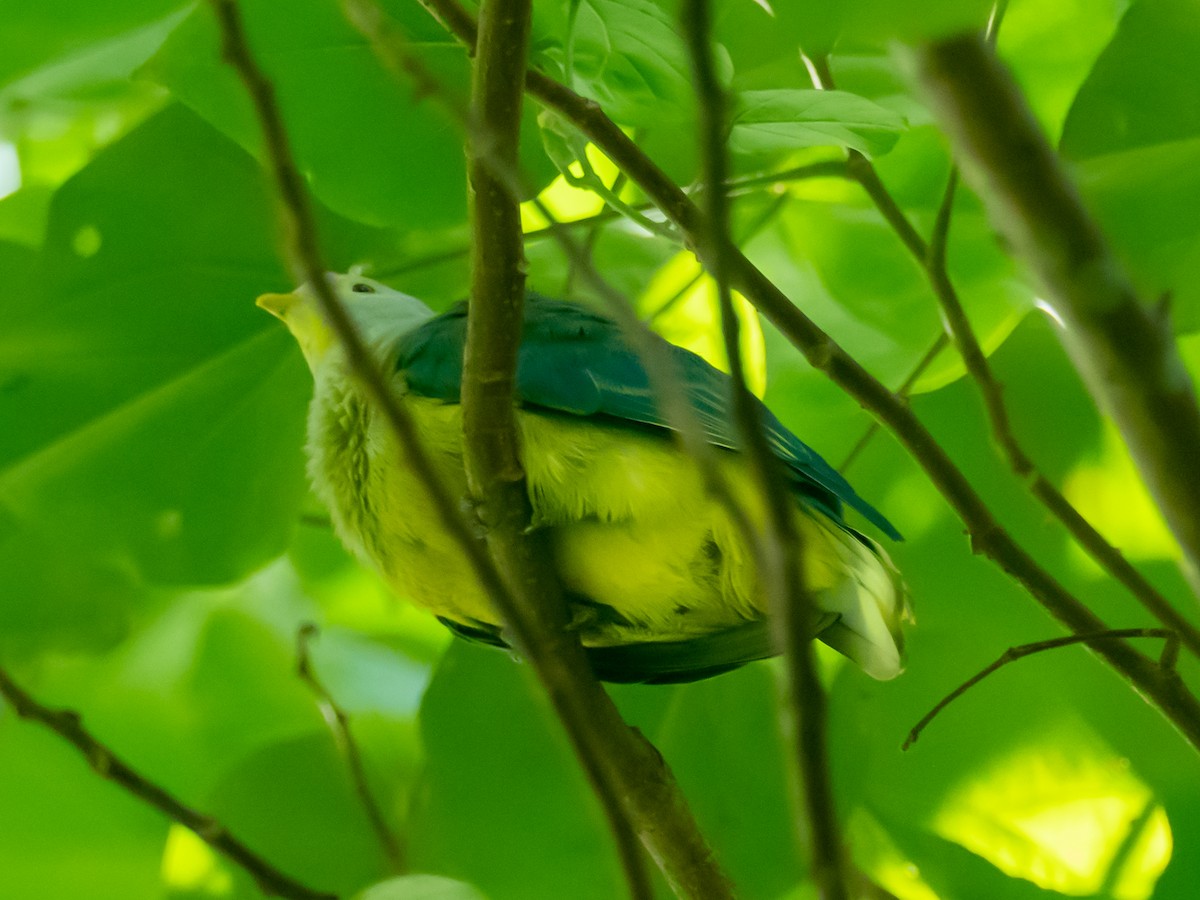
(277, 305)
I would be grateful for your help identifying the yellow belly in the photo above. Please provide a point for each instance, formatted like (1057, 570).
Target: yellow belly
(631, 525)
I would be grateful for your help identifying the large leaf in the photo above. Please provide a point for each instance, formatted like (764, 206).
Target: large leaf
(767, 122)
(374, 147)
(1142, 89)
(628, 56)
(37, 33)
(1146, 199)
(153, 416)
(500, 780)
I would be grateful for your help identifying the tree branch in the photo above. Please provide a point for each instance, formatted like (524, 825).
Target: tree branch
(779, 554)
(1169, 695)
(932, 259)
(67, 725)
(1124, 349)
(492, 455)
(631, 779)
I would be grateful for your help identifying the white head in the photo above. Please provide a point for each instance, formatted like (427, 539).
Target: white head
(381, 314)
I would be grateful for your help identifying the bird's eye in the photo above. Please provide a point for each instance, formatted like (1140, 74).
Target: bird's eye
(363, 288)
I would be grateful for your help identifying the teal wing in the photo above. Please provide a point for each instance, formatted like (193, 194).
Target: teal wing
(575, 361)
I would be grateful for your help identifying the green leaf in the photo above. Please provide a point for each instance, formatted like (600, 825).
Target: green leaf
(372, 150)
(157, 415)
(766, 123)
(884, 20)
(67, 833)
(374, 147)
(421, 887)
(722, 741)
(1146, 200)
(501, 779)
(294, 802)
(629, 58)
(37, 33)
(1142, 90)
(819, 28)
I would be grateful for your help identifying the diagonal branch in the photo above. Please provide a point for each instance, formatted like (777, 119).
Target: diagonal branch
(931, 258)
(1124, 348)
(779, 556)
(67, 725)
(1167, 693)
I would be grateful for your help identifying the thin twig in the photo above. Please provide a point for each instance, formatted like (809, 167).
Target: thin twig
(902, 392)
(778, 555)
(1012, 654)
(339, 723)
(68, 725)
(737, 187)
(1124, 348)
(932, 259)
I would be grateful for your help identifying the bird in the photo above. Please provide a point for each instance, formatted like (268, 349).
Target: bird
(661, 582)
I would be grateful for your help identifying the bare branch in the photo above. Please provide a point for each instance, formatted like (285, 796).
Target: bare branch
(629, 776)
(68, 725)
(1124, 348)
(779, 557)
(339, 723)
(495, 474)
(932, 259)
(1012, 654)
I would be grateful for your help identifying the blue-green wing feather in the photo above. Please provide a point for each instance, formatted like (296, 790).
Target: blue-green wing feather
(575, 361)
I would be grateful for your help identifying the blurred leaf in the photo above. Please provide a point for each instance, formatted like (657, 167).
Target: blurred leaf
(157, 416)
(722, 741)
(1146, 200)
(294, 803)
(501, 779)
(1052, 48)
(23, 216)
(881, 21)
(766, 123)
(421, 887)
(92, 73)
(373, 147)
(1142, 88)
(36, 33)
(65, 832)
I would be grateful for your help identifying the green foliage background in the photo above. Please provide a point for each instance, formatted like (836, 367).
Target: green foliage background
(159, 549)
